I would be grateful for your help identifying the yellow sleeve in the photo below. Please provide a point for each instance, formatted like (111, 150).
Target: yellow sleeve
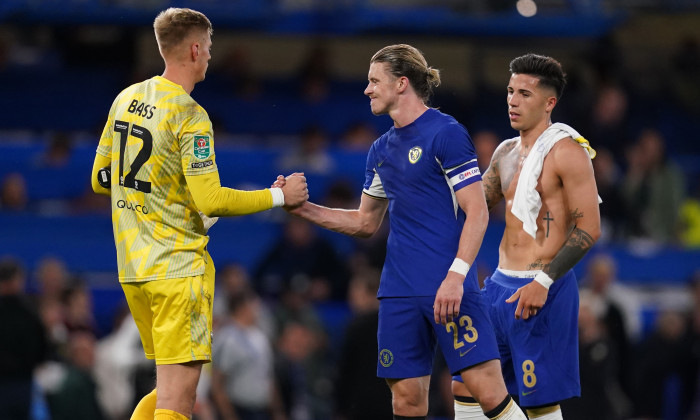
(214, 200)
(100, 162)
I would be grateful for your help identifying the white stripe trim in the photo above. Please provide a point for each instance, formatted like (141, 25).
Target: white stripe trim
(519, 274)
(376, 189)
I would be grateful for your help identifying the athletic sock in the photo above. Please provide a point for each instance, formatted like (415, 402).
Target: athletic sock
(551, 412)
(506, 410)
(146, 408)
(466, 408)
(163, 414)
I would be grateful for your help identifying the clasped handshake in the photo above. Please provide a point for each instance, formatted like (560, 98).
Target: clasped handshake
(295, 190)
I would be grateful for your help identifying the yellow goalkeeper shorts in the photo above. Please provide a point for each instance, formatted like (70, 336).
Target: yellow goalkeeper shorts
(174, 316)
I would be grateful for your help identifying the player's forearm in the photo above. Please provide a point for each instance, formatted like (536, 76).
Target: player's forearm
(473, 234)
(214, 200)
(576, 246)
(343, 221)
(99, 163)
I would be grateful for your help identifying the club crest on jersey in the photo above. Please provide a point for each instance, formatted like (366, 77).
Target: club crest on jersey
(202, 150)
(414, 154)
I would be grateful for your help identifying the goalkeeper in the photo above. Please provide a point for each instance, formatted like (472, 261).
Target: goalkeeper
(156, 159)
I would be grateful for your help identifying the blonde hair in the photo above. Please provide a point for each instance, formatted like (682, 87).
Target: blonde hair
(407, 61)
(173, 25)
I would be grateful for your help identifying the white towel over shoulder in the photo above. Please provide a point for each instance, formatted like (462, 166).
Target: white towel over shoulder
(527, 202)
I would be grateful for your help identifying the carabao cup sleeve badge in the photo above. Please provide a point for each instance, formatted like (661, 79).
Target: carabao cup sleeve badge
(202, 147)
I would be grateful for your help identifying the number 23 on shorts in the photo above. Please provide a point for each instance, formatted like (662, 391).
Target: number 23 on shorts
(470, 336)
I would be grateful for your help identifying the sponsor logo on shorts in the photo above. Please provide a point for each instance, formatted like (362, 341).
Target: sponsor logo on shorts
(462, 353)
(414, 154)
(386, 358)
(200, 165)
(202, 149)
(525, 394)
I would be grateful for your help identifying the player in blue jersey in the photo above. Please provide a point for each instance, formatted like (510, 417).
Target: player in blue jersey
(424, 171)
(552, 219)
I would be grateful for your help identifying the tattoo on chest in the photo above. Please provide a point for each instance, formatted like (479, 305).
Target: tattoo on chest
(547, 219)
(538, 265)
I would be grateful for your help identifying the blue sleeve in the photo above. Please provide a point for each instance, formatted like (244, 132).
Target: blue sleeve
(369, 169)
(455, 150)
(453, 146)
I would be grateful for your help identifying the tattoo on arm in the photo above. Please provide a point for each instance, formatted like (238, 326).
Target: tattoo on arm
(492, 188)
(576, 246)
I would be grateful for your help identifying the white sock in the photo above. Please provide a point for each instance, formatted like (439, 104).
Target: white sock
(468, 411)
(513, 412)
(555, 414)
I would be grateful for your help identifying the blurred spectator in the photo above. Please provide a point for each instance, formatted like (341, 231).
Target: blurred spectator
(360, 394)
(310, 155)
(58, 151)
(79, 314)
(695, 347)
(601, 395)
(606, 59)
(609, 123)
(232, 280)
(13, 194)
(75, 397)
(303, 261)
(117, 358)
(23, 346)
(685, 67)
(341, 193)
(358, 137)
(653, 189)
(243, 383)
(51, 278)
(238, 73)
(622, 303)
(608, 180)
(303, 373)
(485, 143)
(52, 313)
(314, 75)
(690, 219)
(663, 381)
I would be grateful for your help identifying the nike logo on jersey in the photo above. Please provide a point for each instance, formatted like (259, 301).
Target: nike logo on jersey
(462, 353)
(525, 394)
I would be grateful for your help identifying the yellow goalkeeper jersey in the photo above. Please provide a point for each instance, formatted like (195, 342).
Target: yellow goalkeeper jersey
(154, 136)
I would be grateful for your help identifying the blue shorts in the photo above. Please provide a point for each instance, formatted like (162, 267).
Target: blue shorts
(539, 356)
(408, 335)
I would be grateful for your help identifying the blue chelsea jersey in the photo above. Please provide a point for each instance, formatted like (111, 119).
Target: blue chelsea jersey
(418, 168)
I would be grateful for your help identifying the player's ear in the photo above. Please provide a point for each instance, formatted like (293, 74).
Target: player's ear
(551, 103)
(194, 51)
(402, 84)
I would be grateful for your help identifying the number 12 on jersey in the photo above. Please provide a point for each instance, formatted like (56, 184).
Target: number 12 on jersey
(130, 181)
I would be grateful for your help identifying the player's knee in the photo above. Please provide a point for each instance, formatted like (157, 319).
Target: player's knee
(409, 397)
(459, 389)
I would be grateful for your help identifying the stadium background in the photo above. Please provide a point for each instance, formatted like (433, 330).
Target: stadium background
(284, 90)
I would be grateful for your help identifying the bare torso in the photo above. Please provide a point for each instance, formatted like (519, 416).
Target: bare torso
(518, 250)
